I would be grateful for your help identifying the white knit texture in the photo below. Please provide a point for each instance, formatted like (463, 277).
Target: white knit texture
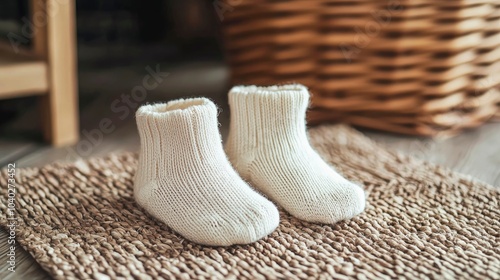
(269, 147)
(185, 180)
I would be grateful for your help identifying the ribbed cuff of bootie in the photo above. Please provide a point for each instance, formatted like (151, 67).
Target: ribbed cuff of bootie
(278, 93)
(180, 108)
(269, 107)
(193, 119)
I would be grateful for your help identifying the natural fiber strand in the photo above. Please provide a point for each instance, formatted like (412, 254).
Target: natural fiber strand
(80, 221)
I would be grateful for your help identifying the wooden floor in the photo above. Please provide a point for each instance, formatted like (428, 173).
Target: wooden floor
(476, 152)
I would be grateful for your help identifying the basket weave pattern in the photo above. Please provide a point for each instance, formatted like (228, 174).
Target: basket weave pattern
(416, 67)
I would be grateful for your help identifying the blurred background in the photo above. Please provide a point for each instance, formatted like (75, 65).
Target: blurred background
(72, 73)
(116, 42)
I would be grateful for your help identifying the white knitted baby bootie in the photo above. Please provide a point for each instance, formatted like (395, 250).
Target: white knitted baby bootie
(268, 146)
(185, 180)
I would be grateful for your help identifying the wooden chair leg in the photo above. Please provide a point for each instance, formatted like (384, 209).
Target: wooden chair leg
(59, 106)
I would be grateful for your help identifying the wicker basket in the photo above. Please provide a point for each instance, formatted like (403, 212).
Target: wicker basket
(422, 67)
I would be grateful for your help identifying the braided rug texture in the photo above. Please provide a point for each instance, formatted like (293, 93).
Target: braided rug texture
(80, 221)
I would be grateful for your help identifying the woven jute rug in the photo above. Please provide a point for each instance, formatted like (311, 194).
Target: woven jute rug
(421, 221)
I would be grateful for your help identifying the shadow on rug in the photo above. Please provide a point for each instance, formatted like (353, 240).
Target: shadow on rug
(422, 221)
